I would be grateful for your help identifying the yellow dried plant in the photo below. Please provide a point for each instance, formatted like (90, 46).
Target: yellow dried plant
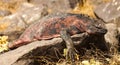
(84, 8)
(3, 43)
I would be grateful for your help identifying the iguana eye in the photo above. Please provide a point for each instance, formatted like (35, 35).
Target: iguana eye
(98, 25)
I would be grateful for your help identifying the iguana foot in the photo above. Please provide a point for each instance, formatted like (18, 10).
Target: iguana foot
(71, 52)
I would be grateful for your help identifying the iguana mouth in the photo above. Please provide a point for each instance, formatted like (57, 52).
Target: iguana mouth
(102, 31)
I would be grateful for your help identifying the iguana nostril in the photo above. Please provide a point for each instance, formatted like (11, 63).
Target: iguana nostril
(102, 31)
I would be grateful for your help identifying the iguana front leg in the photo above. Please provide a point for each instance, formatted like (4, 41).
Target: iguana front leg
(71, 52)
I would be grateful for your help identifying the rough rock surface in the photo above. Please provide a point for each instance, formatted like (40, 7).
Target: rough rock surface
(56, 5)
(17, 22)
(108, 11)
(12, 56)
(111, 35)
(31, 13)
(4, 13)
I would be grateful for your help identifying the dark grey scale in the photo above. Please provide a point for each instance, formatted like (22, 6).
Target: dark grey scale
(52, 28)
(85, 18)
(73, 28)
(62, 25)
(62, 18)
(52, 31)
(78, 15)
(54, 22)
(59, 14)
(80, 27)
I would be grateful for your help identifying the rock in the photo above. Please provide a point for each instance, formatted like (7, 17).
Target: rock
(24, 6)
(39, 47)
(15, 24)
(73, 3)
(31, 13)
(111, 35)
(24, 62)
(118, 30)
(96, 3)
(56, 5)
(23, 54)
(4, 13)
(108, 11)
(9, 1)
(117, 22)
(12, 24)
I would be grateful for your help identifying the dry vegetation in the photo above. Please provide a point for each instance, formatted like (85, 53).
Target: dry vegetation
(3, 43)
(10, 5)
(84, 8)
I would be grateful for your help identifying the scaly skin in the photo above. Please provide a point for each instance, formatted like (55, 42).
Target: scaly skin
(50, 27)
